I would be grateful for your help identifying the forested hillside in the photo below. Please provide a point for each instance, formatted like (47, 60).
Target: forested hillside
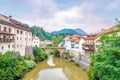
(39, 32)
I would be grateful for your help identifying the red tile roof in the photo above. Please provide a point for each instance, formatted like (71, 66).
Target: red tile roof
(33, 37)
(92, 36)
(13, 23)
(106, 31)
(73, 38)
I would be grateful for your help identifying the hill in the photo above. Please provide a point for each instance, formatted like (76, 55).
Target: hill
(65, 32)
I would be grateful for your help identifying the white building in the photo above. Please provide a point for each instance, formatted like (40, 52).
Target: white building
(67, 42)
(35, 41)
(74, 43)
(14, 36)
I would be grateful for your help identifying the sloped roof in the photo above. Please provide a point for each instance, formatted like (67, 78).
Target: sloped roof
(73, 38)
(13, 23)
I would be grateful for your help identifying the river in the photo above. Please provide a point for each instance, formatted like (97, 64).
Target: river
(56, 69)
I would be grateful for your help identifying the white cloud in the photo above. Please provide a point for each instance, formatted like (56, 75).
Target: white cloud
(46, 13)
(113, 5)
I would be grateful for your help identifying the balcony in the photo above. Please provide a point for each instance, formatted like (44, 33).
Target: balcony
(89, 46)
(88, 43)
(6, 40)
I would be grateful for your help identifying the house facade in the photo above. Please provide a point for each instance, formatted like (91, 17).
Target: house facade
(14, 36)
(73, 45)
(35, 41)
(92, 41)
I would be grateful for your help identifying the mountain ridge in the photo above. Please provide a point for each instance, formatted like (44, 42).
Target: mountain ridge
(68, 31)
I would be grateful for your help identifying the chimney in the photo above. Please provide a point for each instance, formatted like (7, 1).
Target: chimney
(9, 17)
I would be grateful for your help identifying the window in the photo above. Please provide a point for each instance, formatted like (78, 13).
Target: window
(20, 38)
(72, 45)
(29, 33)
(8, 46)
(5, 29)
(20, 45)
(12, 46)
(17, 31)
(20, 32)
(0, 27)
(17, 45)
(9, 29)
(25, 39)
(17, 38)
(2, 47)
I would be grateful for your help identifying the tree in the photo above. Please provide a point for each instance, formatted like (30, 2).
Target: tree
(39, 54)
(56, 40)
(13, 67)
(105, 65)
(55, 52)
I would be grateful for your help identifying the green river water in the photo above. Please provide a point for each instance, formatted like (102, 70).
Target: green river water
(62, 70)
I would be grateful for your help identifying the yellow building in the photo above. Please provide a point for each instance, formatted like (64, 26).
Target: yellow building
(14, 36)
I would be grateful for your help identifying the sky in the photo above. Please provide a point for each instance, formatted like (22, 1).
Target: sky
(54, 15)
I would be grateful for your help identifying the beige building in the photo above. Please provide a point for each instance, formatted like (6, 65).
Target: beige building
(14, 36)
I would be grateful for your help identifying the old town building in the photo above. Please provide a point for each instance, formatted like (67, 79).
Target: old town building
(14, 36)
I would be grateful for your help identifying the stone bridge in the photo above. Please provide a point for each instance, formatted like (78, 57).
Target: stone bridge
(60, 49)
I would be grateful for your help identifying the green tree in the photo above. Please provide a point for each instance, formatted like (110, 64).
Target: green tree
(56, 40)
(13, 67)
(39, 54)
(40, 32)
(105, 65)
(55, 52)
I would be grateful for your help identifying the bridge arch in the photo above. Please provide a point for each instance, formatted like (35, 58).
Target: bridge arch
(60, 49)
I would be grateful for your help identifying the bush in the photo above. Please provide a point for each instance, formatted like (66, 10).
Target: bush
(12, 68)
(29, 57)
(76, 63)
(49, 45)
(30, 64)
(39, 54)
(105, 65)
(55, 52)
(71, 60)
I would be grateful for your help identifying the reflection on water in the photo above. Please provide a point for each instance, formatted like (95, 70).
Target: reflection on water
(62, 70)
(52, 74)
(50, 61)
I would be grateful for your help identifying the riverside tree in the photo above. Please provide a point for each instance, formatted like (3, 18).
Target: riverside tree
(105, 65)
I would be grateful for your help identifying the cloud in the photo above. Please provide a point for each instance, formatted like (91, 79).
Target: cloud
(47, 14)
(113, 5)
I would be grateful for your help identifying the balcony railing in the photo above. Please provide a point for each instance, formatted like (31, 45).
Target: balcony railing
(89, 48)
(88, 43)
(6, 40)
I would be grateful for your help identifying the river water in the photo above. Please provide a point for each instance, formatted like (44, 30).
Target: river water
(56, 69)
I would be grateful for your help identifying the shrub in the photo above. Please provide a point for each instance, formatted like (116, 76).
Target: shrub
(76, 63)
(71, 60)
(30, 64)
(12, 68)
(39, 54)
(55, 52)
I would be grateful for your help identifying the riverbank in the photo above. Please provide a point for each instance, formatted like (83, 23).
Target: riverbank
(60, 63)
